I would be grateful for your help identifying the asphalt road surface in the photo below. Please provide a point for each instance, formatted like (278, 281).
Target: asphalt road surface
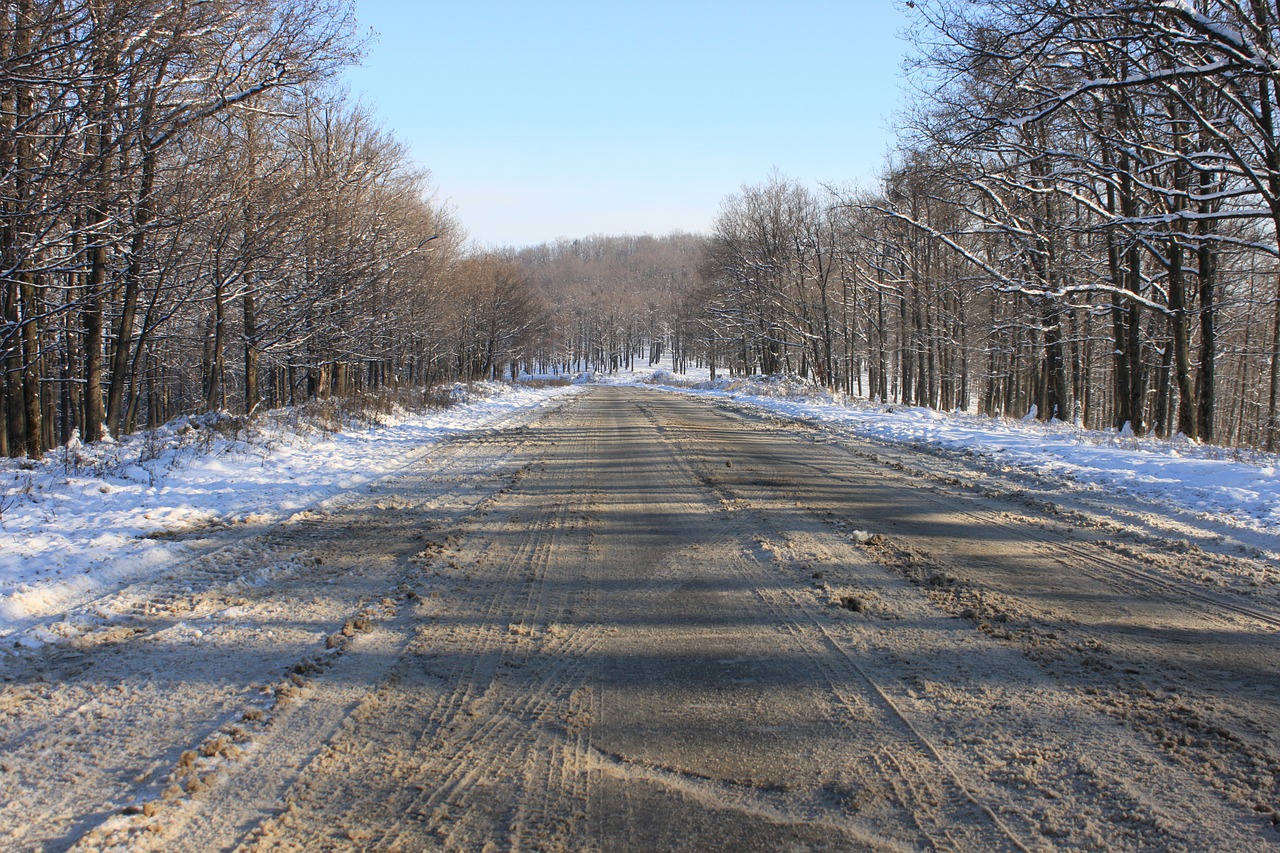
(647, 622)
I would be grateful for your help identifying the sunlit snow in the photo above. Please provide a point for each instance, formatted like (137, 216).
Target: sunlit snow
(83, 521)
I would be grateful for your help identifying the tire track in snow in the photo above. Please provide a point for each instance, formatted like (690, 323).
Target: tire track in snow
(752, 487)
(939, 823)
(478, 466)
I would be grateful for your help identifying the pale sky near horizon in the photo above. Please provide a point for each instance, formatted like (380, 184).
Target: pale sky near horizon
(565, 119)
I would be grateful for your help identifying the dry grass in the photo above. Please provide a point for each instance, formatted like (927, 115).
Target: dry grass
(547, 382)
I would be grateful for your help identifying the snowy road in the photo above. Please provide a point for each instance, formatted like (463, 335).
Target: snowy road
(646, 622)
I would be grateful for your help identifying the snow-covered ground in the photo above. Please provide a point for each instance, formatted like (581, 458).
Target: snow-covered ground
(84, 520)
(1238, 487)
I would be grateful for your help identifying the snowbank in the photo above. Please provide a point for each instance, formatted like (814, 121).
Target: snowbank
(84, 520)
(1241, 486)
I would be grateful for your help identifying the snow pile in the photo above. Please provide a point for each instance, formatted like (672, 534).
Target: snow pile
(81, 520)
(1237, 485)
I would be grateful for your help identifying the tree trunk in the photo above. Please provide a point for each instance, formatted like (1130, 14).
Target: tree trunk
(25, 414)
(1058, 400)
(1121, 372)
(1132, 314)
(1180, 331)
(94, 413)
(1272, 431)
(1206, 389)
(251, 394)
(213, 365)
(122, 356)
(1272, 158)
(33, 413)
(1160, 417)
(94, 410)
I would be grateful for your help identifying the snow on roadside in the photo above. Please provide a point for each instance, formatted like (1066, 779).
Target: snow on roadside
(78, 522)
(1240, 486)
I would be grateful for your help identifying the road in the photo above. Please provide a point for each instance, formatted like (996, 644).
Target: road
(645, 621)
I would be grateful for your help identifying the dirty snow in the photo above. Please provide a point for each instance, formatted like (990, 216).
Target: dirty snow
(1239, 486)
(86, 519)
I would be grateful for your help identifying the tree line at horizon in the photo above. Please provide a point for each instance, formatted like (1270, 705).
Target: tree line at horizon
(1079, 221)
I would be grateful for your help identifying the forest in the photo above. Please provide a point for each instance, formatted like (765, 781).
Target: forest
(1078, 221)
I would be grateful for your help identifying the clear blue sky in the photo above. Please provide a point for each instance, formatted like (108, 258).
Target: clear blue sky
(554, 119)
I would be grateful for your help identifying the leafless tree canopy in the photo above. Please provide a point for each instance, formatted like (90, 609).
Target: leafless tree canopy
(192, 217)
(1081, 220)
